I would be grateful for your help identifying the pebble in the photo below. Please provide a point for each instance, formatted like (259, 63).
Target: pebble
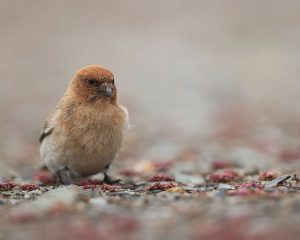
(223, 186)
(186, 178)
(278, 180)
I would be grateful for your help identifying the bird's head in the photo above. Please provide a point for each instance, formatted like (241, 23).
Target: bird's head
(93, 83)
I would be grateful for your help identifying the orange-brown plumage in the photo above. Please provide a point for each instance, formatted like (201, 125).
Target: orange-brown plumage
(85, 132)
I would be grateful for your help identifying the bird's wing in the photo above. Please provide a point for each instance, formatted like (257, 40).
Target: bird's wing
(47, 130)
(49, 124)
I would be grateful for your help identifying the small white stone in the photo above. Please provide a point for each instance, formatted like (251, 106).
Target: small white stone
(185, 178)
(223, 186)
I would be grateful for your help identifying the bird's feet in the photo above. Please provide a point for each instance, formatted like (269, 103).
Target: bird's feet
(63, 177)
(108, 180)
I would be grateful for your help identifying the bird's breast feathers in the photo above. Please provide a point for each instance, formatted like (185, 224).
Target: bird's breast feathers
(99, 127)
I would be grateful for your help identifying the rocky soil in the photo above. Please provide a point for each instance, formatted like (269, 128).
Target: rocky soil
(184, 198)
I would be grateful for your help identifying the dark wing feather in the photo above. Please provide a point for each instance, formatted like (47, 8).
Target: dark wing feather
(47, 130)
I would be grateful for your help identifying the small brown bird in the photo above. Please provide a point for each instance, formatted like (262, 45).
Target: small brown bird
(85, 132)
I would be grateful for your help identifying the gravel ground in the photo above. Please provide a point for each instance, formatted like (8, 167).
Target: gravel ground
(183, 198)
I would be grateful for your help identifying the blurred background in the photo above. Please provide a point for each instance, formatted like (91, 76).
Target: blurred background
(190, 72)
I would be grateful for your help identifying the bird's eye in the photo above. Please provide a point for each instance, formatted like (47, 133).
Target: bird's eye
(113, 81)
(92, 81)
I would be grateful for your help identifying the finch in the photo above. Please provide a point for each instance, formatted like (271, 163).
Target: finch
(84, 133)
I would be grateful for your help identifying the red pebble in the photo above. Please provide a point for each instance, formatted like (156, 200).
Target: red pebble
(161, 177)
(29, 187)
(91, 182)
(160, 186)
(268, 175)
(7, 186)
(246, 189)
(89, 187)
(128, 173)
(109, 188)
(163, 166)
(218, 164)
(224, 175)
(249, 185)
(45, 177)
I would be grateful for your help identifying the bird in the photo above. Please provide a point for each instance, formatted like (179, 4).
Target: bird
(85, 131)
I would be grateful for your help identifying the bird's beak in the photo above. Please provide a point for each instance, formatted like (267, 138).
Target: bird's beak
(108, 91)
